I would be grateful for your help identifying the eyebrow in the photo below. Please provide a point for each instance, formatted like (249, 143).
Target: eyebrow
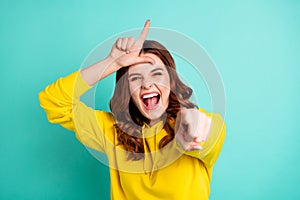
(157, 69)
(154, 70)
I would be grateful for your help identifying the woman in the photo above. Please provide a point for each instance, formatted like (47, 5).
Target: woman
(159, 145)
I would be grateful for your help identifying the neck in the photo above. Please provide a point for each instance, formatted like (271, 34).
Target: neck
(155, 121)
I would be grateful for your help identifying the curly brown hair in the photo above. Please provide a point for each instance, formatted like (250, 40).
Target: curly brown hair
(129, 120)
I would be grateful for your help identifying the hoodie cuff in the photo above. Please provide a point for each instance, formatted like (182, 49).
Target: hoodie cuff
(75, 85)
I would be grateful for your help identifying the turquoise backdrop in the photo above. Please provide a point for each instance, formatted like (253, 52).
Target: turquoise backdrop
(254, 44)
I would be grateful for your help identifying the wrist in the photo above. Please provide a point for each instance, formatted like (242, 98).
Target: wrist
(112, 64)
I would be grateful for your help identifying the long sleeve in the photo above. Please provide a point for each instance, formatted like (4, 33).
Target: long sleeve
(61, 102)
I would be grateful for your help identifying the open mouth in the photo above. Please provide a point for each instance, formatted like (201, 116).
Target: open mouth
(150, 100)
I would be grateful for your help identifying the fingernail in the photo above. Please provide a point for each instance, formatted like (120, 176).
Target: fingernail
(197, 148)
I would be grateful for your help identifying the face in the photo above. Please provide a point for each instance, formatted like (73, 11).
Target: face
(149, 86)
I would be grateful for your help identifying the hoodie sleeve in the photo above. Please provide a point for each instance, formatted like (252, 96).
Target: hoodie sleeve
(61, 102)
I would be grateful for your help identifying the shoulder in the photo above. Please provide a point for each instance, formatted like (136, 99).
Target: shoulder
(104, 115)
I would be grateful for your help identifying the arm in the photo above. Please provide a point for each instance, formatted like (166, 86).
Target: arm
(61, 99)
(62, 105)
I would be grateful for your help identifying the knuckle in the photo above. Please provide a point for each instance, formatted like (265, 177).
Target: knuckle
(202, 115)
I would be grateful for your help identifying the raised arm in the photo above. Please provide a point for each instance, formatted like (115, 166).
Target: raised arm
(61, 99)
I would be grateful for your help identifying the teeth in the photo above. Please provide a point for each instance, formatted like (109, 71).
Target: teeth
(150, 95)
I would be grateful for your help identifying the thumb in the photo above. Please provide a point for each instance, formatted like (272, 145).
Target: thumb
(196, 147)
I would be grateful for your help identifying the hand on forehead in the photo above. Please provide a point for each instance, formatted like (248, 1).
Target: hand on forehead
(155, 61)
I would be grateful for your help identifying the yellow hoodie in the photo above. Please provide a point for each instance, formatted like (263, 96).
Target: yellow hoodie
(167, 173)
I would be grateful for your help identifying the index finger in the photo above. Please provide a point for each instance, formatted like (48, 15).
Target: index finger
(144, 32)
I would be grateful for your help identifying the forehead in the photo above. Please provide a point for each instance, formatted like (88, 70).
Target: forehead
(146, 67)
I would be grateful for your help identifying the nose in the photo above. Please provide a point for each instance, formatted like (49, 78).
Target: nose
(147, 85)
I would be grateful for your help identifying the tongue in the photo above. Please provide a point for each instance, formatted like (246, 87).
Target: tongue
(151, 102)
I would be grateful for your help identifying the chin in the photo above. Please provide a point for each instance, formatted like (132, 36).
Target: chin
(154, 114)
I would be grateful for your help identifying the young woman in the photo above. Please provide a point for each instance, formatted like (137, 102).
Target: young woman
(159, 145)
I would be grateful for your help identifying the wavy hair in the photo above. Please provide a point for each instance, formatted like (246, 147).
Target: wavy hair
(129, 120)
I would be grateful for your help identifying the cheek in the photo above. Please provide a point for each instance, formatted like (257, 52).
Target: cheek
(135, 96)
(164, 83)
(165, 95)
(165, 87)
(133, 88)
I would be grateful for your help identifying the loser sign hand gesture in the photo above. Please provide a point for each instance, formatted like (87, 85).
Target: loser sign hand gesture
(125, 51)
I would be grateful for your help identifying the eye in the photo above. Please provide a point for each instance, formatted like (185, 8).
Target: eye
(135, 78)
(157, 74)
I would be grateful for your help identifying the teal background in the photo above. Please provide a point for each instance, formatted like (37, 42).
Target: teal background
(255, 45)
